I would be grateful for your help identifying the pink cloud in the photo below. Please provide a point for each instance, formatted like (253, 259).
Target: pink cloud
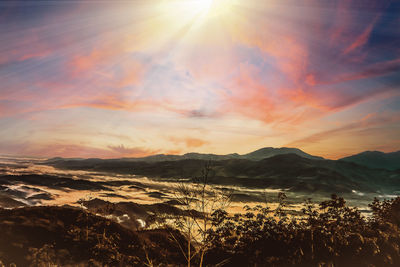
(370, 71)
(29, 46)
(363, 38)
(335, 100)
(248, 96)
(368, 121)
(291, 55)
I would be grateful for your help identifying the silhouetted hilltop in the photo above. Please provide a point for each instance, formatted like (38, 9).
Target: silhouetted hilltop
(376, 159)
(268, 152)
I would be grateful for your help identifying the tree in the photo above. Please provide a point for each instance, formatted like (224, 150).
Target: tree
(199, 200)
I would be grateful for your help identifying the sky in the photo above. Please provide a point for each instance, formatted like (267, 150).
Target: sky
(112, 79)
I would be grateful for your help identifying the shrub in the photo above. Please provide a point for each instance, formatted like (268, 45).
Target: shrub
(331, 234)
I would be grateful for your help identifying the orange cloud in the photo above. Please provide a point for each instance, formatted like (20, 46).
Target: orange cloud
(132, 74)
(173, 152)
(194, 142)
(189, 142)
(96, 57)
(73, 150)
(115, 102)
(311, 80)
(132, 152)
(306, 98)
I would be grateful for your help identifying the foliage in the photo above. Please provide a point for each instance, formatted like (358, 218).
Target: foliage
(64, 236)
(331, 234)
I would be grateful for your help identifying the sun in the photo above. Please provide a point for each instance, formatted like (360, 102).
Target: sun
(202, 6)
(212, 7)
(197, 8)
(186, 16)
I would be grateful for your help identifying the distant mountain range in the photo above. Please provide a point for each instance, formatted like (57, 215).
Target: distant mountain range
(376, 160)
(259, 154)
(284, 168)
(370, 159)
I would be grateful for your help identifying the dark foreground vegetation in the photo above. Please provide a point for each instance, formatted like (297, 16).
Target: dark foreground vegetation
(66, 236)
(330, 234)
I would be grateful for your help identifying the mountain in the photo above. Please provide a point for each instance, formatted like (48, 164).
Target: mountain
(200, 156)
(376, 160)
(259, 154)
(268, 152)
(285, 171)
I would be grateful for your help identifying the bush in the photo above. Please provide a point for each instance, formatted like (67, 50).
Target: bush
(331, 234)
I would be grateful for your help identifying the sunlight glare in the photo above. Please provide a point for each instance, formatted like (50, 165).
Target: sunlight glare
(197, 8)
(201, 6)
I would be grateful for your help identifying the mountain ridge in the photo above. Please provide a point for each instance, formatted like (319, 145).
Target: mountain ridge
(259, 154)
(285, 171)
(376, 159)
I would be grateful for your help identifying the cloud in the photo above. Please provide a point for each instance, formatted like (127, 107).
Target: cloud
(132, 152)
(248, 96)
(30, 46)
(118, 68)
(10, 108)
(190, 142)
(341, 97)
(365, 71)
(95, 58)
(343, 20)
(51, 150)
(114, 102)
(368, 121)
(131, 74)
(72, 150)
(289, 53)
(371, 71)
(362, 39)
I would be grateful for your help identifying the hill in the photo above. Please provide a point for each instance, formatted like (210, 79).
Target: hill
(268, 152)
(376, 160)
(286, 171)
(259, 154)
